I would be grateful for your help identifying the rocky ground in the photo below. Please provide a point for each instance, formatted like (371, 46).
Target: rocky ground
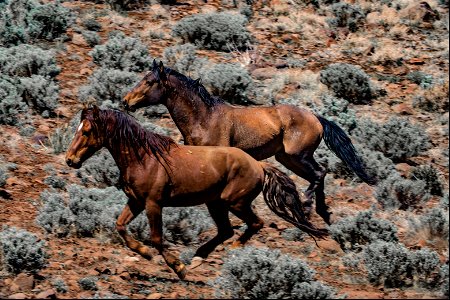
(121, 271)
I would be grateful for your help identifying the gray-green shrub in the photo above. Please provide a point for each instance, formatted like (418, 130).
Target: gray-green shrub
(91, 24)
(88, 283)
(398, 193)
(21, 251)
(3, 176)
(420, 78)
(430, 176)
(434, 221)
(349, 82)
(121, 5)
(267, 274)
(92, 38)
(11, 104)
(100, 170)
(337, 110)
(353, 232)
(108, 85)
(393, 265)
(182, 58)
(54, 215)
(444, 278)
(40, 93)
(397, 138)
(214, 31)
(27, 60)
(229, 81)
(347, 15)
(122, 53)
(60, 138)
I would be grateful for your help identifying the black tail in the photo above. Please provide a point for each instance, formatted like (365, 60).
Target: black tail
(341, 145)
(283, 199)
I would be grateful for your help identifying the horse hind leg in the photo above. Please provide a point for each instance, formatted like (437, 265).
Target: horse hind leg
(306, 167)
(254, 223)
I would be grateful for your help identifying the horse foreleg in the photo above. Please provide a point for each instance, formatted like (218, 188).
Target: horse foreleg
(131, 211)
(154, 214)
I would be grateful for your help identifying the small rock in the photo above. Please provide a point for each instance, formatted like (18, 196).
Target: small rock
(403, 109)
(155, 296)
(131, 259)
(18, 296)
(77, 39)
(125, 276)
(173, 295)
(85, 71)
(22, 282)
(404, 169)
(48, 294)
(330, 245)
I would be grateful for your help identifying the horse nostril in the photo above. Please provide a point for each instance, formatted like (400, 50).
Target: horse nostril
(125, 105)
(69, 162)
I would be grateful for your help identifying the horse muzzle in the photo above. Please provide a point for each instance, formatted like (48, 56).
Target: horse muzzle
(71, 163)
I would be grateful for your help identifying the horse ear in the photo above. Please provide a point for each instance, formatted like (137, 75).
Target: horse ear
(95, 112)
(155, 65)
(162, 71)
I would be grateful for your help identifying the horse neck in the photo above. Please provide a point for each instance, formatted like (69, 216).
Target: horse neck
(188, 111)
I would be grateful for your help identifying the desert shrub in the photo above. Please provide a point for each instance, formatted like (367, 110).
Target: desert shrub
(353, 232)
(92, 38)
(293, 234)
(61, 138)
(393, 265)
(100, 169)
(444, 201)
(21, 251)
(445, 279)
(122, 53)
(27, 60)
(267, 274)
(60, 285)
(55, 181)
(91, 24)
(54, 215)
(420, 78)
(40, 93)
(397, 138)
(24, 21)
(377, 165)
(229, 81)
(214, 31)
(121, 5)
(430, 176)
(434, 221)
(48, 21)
(3, 176)
(337, 110)
(183, 59)
(88, 283)
(347, 15)
(108, 85)
(11, 104)
(398, 193)
(349, 82)
(89, 211)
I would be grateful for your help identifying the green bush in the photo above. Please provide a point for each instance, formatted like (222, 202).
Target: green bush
(398, 193)
(21, 251)
(91, 24)
(54, 216)
(11, 104)
(347, 15)
(434, 221)
(100, 170)
(48, 21)
(214, 31)
(229, 81)
(353, 232)
(445, 280)
(88, 283)
(61, 138)
(338, 110)
(393, 265)
(293, 234)
(122, 53)
(27, 60)
(40, 93)
(397, 138)
(60, 285)
(420, 78)
(349, 82)
(121, 5)
(3, 176)
(430, 176)
(25, 21)
(55, 181)
(182, 58)
(267, 274)
(108, 85)
(92, 38)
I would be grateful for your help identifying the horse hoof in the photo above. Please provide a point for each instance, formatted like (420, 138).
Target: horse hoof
(196, 262)
(181, 271)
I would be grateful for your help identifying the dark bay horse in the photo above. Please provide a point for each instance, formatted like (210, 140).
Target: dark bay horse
(290, 133)
(156, 173)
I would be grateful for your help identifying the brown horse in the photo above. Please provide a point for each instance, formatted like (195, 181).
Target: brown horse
(156, 173)
(290, 133)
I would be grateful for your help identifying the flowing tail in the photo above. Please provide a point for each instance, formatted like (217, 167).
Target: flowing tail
(338, 141)
(283, 199)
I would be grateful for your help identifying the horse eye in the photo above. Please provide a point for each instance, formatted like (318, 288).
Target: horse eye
(85, 133)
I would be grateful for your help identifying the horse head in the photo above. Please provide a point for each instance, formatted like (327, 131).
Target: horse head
(151, 90)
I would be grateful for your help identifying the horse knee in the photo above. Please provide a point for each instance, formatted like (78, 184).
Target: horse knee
(226, 234)
(121, 229)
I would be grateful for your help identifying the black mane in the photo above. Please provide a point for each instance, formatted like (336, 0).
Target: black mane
(196, 87)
